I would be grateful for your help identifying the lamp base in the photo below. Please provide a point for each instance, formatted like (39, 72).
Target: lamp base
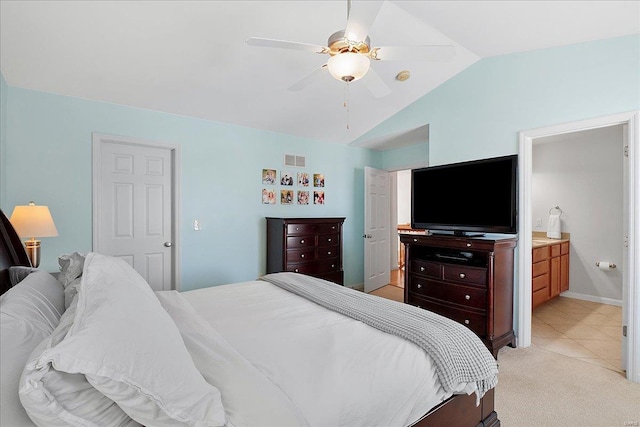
(33, 252)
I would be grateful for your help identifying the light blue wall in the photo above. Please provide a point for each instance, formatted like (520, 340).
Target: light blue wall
(49, 152)
(479, 112)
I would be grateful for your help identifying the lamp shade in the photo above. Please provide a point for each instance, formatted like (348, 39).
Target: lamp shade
(348, 66)
(33, 221)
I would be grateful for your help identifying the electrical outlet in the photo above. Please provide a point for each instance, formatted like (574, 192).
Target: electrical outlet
(196, 225)
(538, 222)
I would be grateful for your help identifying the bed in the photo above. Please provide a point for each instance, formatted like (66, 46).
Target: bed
(283, 350)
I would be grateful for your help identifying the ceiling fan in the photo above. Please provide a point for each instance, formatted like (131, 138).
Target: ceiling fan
(351, 52)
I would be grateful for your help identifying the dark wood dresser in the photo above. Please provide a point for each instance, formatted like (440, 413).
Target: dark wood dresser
(311, 246)
(469, 280)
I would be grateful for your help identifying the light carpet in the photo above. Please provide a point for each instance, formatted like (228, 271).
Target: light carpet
(537, 387)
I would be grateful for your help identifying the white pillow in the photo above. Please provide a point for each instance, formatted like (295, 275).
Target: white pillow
(29, 312)
(55, 398)
(128, 348)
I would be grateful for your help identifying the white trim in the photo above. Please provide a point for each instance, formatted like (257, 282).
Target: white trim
(97, 140)
(584, 297)
(523, 294)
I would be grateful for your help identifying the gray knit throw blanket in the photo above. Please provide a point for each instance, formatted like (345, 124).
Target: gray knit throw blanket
(459, 355)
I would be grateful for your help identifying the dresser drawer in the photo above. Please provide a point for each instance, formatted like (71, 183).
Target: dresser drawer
(426, 268)
(328, 229)
(474, 321)
(301, 242)
(540, 282)
(461, 274)
(328, 252)
(301, 255)
(314, 268)
(328, 239)
(293, 229)
(539, 296)
(465, 296)
(539, 268)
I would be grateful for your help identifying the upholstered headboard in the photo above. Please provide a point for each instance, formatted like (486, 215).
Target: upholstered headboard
(12, 252)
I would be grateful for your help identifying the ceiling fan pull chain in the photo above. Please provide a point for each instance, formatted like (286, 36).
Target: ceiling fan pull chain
(346, 101)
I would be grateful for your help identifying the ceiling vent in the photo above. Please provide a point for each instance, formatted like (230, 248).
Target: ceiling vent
(291, 160)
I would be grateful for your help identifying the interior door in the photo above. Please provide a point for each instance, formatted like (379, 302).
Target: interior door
(377, 229)
(133, 207)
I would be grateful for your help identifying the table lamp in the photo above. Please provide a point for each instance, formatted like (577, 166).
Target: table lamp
(33, 221)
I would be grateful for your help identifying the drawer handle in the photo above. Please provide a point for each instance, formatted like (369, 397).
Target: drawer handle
(333, 265)
(328, 240)
(302, 241)
(466, 321)
(297, 228)
(462, 275)
(301, 255)
(419, 286)
(421, 268)
(468, 245)
(329, 253)
(296, 270)
(333, 228)
(415, 240)
(467, 297)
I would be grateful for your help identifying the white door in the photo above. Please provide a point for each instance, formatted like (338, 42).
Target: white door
(133, 206)
(625, 245)
(377, 229)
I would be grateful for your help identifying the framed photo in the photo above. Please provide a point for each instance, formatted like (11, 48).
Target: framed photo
(268, 196)
(318, 180)
(269, 176)
(318, 197)
(303, 179)
(286, 197)
(303, 197)
(286, 178)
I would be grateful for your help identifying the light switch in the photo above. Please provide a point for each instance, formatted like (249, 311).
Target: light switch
(196, 225)
(538, 222)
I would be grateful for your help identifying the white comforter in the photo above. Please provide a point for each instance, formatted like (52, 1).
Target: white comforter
(279, 360)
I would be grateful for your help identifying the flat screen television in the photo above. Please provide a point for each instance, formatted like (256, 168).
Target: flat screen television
(468, 198)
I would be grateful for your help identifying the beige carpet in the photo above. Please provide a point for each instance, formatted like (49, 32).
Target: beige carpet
(537, 387)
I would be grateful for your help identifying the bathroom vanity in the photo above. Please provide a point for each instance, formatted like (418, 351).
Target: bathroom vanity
(550, 267)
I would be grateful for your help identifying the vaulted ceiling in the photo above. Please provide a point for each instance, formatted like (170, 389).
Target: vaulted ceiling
(191, 59)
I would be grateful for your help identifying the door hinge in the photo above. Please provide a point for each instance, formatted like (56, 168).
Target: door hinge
(625, 241)
(626, 151)
(624, 331)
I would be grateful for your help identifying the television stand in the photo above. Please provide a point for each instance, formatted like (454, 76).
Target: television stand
(456, 233)
(467, 279)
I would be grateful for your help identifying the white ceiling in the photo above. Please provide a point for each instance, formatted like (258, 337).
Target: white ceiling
(190, 58)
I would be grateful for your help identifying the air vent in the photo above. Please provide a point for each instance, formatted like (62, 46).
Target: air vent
(291, 160)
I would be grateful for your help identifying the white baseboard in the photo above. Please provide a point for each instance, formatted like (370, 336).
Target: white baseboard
(358, 287)
(585, 297)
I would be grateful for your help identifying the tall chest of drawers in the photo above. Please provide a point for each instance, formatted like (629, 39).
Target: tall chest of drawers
(469, 280)
(311, 246)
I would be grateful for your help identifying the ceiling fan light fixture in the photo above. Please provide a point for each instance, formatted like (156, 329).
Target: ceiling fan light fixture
(348, 66)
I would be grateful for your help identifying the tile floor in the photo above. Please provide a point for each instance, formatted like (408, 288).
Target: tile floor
(584, 330)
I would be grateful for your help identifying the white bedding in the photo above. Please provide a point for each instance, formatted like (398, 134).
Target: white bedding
(334, 370)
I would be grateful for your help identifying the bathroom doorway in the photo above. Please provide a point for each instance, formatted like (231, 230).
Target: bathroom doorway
(579, 175)
(631, 280)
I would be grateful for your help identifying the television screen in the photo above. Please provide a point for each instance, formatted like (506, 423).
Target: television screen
(478, 196)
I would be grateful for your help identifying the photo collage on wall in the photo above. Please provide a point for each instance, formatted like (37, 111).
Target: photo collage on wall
(292, 188)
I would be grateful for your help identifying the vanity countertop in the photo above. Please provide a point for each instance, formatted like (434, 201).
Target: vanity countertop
(540, 239)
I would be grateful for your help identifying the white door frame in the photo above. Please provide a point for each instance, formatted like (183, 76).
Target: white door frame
(97, 141)
(632, 303)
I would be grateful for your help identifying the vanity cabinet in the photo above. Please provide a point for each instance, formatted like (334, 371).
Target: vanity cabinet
(549, 271)
(311, 246)
(469, 280)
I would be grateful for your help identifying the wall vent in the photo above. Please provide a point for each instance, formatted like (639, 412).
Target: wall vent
(291, 160)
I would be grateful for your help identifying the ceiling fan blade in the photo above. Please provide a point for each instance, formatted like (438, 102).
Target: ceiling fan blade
(418, 53)
(360, 18)
(308, 79)
(284, 44)
(375, 84)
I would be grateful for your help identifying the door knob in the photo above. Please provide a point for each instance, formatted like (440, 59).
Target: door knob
(367, 236)
(168, 244)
